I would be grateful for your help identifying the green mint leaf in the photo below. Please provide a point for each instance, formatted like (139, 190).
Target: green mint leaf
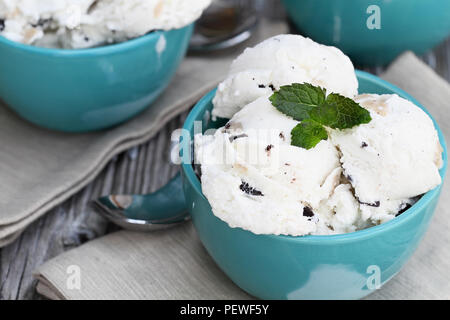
(339, 112)
(307, 134)
(310, 105)
(298, 99)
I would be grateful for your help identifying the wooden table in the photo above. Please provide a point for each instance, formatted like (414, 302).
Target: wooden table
(140, 170)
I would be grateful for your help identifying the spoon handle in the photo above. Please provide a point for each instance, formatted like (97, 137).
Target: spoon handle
(166, 205)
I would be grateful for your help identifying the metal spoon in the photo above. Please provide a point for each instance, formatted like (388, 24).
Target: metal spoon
(224, 24)
(159, 210)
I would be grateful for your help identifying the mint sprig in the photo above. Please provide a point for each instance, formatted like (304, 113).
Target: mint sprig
(310, 105)
(307, 134)
(297, 100)
(339, 112)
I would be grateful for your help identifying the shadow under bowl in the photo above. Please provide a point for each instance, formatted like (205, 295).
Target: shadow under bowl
(345, 266)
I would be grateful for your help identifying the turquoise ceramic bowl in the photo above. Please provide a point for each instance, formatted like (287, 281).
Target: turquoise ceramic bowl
(89, 89)
(416, 25)
(309, 267)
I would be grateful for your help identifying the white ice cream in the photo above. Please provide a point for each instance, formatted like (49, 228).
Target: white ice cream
(256, 180)
(89, 23)
(393, 158)
(282, 60)
(254, 149)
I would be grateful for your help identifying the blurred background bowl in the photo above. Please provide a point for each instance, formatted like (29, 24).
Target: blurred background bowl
(89, 89)
(415, 25)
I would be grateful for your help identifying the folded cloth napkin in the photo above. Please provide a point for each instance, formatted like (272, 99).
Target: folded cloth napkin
(39, 168)
(172, 264)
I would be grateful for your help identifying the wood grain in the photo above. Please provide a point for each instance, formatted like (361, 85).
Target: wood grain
(140, 170)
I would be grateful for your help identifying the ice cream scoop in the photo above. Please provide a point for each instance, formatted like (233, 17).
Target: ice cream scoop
(392, 159)
(90, 23)
(255, 179)
(282, 60)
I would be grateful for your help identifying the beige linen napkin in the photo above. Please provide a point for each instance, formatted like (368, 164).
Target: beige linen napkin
(39, 168)
(172, 264)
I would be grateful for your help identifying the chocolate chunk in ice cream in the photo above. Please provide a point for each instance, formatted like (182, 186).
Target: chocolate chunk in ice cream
(245, 187)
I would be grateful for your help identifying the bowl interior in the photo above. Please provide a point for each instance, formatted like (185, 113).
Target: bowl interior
(368, 83)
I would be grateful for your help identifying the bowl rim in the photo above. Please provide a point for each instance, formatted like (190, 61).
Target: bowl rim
(352, 236)
(95, 51)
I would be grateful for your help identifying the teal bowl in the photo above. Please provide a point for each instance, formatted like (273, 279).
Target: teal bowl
(415, 25)
(346, 266)
(89, 89)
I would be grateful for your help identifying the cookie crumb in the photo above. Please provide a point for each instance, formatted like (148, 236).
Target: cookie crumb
(375, 204)
(307, 212)
(243, 135)
(403, 208)
(245, 187)
(268, 148)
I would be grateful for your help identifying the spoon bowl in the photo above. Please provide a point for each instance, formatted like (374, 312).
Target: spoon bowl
(162, 209)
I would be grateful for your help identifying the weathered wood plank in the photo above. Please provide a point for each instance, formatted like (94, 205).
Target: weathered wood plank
(142, 169)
